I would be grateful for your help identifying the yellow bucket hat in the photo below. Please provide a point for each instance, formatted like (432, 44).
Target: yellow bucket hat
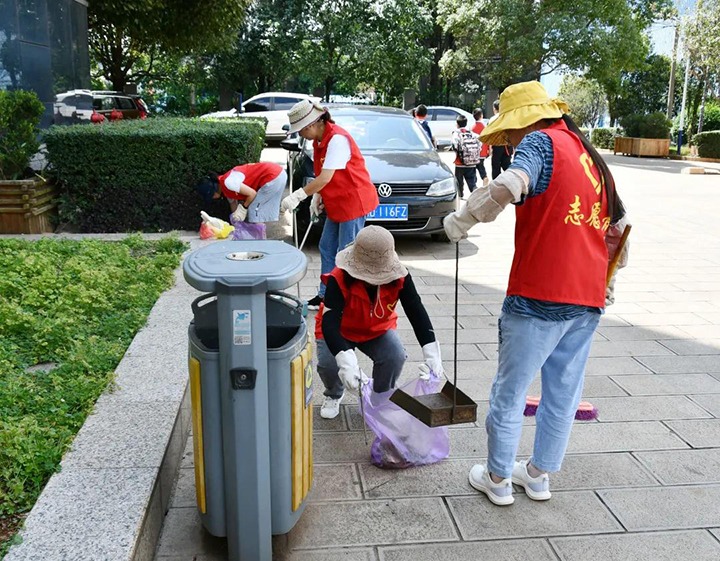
(522, 105)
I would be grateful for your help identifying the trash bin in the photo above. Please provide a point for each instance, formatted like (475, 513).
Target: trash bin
(251, 389)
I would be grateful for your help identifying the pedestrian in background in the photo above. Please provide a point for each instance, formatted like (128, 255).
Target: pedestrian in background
(467, 155)
(420, 114)
(484, 148)
(342, 187)
(569, 220)
(501, 153)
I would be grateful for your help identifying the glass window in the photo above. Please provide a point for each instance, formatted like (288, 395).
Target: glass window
(104, 103)
(445, 115)
(125, 103)
(285, 103)
(384, 132)
(260, 104)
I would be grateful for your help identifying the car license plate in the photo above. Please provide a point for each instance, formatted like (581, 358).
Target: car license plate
(389, 212)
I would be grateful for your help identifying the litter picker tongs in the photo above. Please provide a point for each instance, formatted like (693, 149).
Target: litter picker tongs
(449, 407)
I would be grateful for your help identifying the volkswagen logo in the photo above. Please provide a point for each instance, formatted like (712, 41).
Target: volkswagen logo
(384, 190)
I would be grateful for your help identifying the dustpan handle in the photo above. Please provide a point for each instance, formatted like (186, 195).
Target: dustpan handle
(455, 345)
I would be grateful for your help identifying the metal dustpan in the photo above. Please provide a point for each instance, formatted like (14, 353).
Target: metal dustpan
(449, 407)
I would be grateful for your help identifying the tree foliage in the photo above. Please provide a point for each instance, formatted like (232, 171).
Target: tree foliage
(523, 39)
(702, 36)
(585, 97)
(644, 90)
(122, 34)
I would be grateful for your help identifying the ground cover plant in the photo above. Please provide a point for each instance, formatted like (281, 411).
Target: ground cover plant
(68, 311)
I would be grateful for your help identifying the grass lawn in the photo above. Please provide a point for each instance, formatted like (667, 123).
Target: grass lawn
(68, 312)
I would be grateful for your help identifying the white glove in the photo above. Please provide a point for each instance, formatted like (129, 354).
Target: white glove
(458, 223)
(293, 200)
(214, 222)
(240, 213)
(316, 206)
(433, 362)
(350, 373)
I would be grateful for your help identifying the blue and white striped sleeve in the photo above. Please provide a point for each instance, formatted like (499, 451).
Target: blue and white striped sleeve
(534, 156)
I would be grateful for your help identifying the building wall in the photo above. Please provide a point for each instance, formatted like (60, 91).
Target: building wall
(44, 47)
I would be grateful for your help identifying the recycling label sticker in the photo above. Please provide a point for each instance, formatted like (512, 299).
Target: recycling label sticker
(242, 333)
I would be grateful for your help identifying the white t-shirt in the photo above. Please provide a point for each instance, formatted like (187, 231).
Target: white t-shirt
(234, 181)
(338, 153)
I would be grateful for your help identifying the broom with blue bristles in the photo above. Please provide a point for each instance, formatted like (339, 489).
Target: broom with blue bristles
(586, 411)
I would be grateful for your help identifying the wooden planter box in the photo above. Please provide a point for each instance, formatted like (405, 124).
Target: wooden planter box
(27, 206)
(630, 146)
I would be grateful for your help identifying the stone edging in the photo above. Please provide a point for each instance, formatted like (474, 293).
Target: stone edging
(110, 498)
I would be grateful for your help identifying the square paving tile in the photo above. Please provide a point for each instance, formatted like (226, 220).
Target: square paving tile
(600, 471)
(696, 545)
(448, 477)
(335, 482)
(332, 555)
(655, 408)
(682, 364)
(710, 402)
(515, 550)
(665, 508)
(668, 384)
(567, 513)
(614, 366)
(699, 434)
(376, 522)
(683, 467)
(183, 535)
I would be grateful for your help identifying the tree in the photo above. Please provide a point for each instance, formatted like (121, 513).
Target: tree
(124, 34)
(641, 91)
(702, 37)
(585, 97)
(524, 39)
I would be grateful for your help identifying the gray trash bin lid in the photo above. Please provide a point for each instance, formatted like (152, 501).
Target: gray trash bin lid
(242, 263)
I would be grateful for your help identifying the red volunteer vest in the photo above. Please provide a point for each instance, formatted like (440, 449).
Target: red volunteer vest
(560, 252)
(350, 193)
(256, 175)
(362, 319)
(485, 148)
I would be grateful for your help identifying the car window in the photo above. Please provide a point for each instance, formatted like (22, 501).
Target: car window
(103, 103)
(445, 115)
(285, 103)
(125, 103)
(384, 132)
(261, 104)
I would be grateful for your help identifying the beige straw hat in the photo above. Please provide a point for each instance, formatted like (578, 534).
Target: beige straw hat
(372, 257)
(521, 105)
(304, 113)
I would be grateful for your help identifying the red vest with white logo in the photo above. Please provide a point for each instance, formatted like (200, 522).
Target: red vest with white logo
(256, 175)
(350, 194)
(485, 148)
(560, 252)
(363, 320)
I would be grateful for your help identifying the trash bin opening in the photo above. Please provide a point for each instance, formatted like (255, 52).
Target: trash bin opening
(245, 256)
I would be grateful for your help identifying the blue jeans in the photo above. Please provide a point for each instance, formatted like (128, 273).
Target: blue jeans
(387, 353)
(336, 236)
(559, 349)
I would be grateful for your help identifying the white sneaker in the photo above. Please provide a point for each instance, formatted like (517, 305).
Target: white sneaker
(537, 488)
(330, 407)
(498, 493)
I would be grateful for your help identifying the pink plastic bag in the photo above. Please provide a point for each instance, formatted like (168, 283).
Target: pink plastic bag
(401, 441)
(247, 231)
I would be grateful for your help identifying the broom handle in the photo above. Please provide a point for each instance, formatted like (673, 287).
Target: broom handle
(455, 351)
(616, 258)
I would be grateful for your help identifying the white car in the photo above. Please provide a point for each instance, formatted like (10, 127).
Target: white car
(442, 122)
(271, 105)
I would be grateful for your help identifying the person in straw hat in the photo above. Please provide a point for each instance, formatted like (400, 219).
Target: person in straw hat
(569, 220)
(342, 185)
(360, 311)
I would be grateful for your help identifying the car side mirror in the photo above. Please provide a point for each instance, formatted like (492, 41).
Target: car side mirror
(291, 144)
(286, 128)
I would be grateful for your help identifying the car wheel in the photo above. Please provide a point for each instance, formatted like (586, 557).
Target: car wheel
(440, 237)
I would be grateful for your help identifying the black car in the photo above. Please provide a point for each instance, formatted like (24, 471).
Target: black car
(416, 189)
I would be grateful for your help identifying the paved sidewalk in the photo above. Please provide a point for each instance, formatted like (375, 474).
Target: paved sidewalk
(642, 482)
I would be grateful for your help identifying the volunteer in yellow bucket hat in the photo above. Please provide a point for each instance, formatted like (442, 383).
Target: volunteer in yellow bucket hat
(569, 220)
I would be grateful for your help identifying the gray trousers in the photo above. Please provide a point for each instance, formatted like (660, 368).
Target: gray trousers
(387, 353)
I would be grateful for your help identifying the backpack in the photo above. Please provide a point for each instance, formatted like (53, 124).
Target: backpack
(468, 149)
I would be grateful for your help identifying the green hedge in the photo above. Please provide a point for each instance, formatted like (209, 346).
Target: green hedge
(708, 144)
(140, 175)
(653, 125)
(604, 137)
(20, 114)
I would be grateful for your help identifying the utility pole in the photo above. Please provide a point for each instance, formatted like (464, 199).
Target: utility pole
(684, 102)
(673, 66)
